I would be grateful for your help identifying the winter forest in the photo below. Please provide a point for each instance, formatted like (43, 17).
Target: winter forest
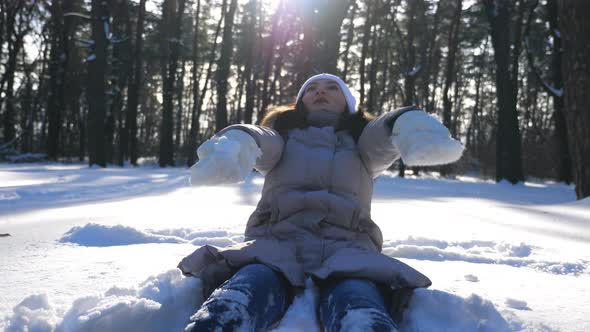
(114, 81)
(104, 103)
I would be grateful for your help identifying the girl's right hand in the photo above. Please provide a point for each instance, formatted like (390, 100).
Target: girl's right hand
(227, 158)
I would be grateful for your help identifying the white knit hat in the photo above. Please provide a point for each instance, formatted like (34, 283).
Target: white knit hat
(350, 100)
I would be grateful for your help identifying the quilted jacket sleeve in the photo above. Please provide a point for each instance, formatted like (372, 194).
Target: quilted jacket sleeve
(375, 146)
(268, 140)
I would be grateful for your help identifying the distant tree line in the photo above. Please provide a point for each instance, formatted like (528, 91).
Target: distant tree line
(116, 80)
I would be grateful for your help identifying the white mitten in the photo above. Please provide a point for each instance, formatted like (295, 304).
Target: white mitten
(423, 141)
(227, 158)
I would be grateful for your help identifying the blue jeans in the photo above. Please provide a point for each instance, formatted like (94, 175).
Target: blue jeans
(256, 297)
(252, 300)
(353, 305)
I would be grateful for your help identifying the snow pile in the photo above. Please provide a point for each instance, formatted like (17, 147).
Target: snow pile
(517, 304)
(165, 303)
(34, 313)
(302, 312)
(432, 310)
(95, 235)
(480, 252)
(215, 238)
(161, 303)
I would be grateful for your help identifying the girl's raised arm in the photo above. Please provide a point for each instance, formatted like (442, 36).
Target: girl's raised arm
(410, 133)
(230, 155)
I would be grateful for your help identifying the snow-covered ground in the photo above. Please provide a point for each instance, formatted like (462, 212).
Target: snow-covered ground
(96, 249)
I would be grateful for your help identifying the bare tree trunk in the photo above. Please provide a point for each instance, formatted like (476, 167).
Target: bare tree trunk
(18, 22)
(450, 72)
(3, 16)
(26, 106)
(329, 34)
(278, 66)
(122, 71)
(128, 146)
(83, 139)
(268, 62)
(57, 70)
(97, 66)
(193, 133)
(451, 75)
(349, 39)
(171, 33)
(168, 68)
(236, 105)
(472, 133)
(575, 32)
(40, 96)
(365, 49)
(211, 60)
(119, 78)
(410, 63)
(249, 74)
(129, 134)
(565, 162)
(508, 140)
(307, 66)
(180, 107)
(373, 70)
(430, 66)
(223, 67)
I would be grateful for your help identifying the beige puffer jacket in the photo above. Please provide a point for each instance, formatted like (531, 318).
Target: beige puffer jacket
(313, 218)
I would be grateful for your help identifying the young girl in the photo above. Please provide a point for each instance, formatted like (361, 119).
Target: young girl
(319, 157)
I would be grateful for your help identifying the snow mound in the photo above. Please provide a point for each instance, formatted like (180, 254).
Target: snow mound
(166, 302)
(475, 246)
(161, 303)
(9, 196)
(95, 235)
(302, 312)
(34, 313)
(207, 234)
(517, 304)
(215, 241)
(433, 310)
(479, 252)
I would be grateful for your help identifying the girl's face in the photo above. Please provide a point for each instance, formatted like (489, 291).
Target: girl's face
(324, 95)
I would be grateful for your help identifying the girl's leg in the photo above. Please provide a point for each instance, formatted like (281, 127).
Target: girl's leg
(253, 299)
(353, 305)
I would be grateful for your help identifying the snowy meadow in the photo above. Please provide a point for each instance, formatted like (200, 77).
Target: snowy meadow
(89, 249)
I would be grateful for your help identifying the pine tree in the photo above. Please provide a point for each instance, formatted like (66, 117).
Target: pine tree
(575, 33)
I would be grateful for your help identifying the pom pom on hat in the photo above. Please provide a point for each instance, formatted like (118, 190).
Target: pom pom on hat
(350, 100)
